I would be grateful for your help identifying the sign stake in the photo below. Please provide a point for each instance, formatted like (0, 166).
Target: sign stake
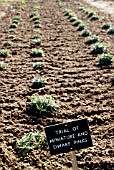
(74, 160)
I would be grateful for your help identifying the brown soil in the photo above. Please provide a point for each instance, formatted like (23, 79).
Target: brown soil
(81, 88)
(3, 10)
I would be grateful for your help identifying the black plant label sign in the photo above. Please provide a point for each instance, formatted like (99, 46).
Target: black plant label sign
(70, 136)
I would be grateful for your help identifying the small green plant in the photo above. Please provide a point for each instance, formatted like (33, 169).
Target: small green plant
(90, 13)
(38, 65)
(76, 23)
(16, 18)
(18, 13)
(37, 25)
(106, 25)
(4, 53)
(81, 27)
(38, 82)
(7, 43)
(36, 7)
(37, 52)
(36, 18)
(81, 9)
(92, 39)
(71, 15)
(15, 22)
(60, 3)
(11, 36)
(68, 12)
(37, 41)
(94, 17)
(111, 30)
(13, 25)
(22, 6)
(86, 33)
(37, 22)
(32, 14)
(98, 48)
(105, 59)
(2, 65)
(37, 31)
(73, 19)
(30, 141)
(36, 36)
(12, 30)
(42, 104)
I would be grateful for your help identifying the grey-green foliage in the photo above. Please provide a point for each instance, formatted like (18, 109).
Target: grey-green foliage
(106, 25)
(30, 141)
(42, 104)
(12, 30)
(68, 12)
(15, 21)
(37, 22)
(13, 25)
(98, 48)
(85, 33)
(39, 82)
(7, 43)
(11, 36)
(71, 15)
(81, 27)
(38, 31)
(82, 9)
(16, 18)
(59, 3)
(32, 14)
(37, 52)
(36, 36)
(76, 23)
(2, 65)
(110, 30)
(90, 13)
(37, 41)
(38, 65)
(22, 6)
(105, 59)
(73, 19)
(94, 17)
(4, 53)
(92, 39)
(37, 17)
(37, 25)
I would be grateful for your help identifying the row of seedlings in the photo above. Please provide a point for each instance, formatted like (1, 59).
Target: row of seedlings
(38, 104)
(104, 58)
(14, 22)
(92, 16)
(76, 22)
(90, 13)
(73, 18)
(32, 140)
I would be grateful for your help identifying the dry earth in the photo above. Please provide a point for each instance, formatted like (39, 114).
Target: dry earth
(82, 89)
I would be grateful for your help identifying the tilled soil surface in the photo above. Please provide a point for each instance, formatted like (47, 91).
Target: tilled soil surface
(78, 85)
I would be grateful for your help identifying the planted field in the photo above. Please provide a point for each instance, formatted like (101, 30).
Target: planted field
(56, 65)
